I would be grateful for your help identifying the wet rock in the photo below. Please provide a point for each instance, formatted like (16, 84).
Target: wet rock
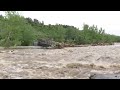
(105, 76)
(45, 42)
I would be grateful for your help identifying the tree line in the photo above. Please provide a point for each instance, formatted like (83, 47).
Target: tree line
(16, 30)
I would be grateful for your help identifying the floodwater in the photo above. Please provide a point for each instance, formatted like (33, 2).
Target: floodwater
(66, 63)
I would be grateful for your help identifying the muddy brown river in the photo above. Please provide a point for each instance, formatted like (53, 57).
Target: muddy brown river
(67, 63)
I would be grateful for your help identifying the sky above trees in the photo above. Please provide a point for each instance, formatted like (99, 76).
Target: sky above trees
(108, 20)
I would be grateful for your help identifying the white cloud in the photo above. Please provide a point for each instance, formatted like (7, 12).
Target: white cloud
(109, 20)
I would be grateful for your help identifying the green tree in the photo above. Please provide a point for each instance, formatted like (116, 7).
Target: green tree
(16, 30)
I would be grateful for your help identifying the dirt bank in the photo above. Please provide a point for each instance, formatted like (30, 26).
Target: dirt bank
(71, 62)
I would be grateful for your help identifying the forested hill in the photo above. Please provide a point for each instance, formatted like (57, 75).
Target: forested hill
(18, 30)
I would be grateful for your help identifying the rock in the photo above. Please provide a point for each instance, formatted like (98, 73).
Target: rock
(105, 76)
(44, 42)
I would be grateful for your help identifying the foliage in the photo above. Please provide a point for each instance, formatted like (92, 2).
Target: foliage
(17, 30)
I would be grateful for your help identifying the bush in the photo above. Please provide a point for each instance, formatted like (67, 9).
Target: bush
(16, 30)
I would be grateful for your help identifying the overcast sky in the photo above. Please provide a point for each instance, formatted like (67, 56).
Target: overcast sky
(108, 20)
